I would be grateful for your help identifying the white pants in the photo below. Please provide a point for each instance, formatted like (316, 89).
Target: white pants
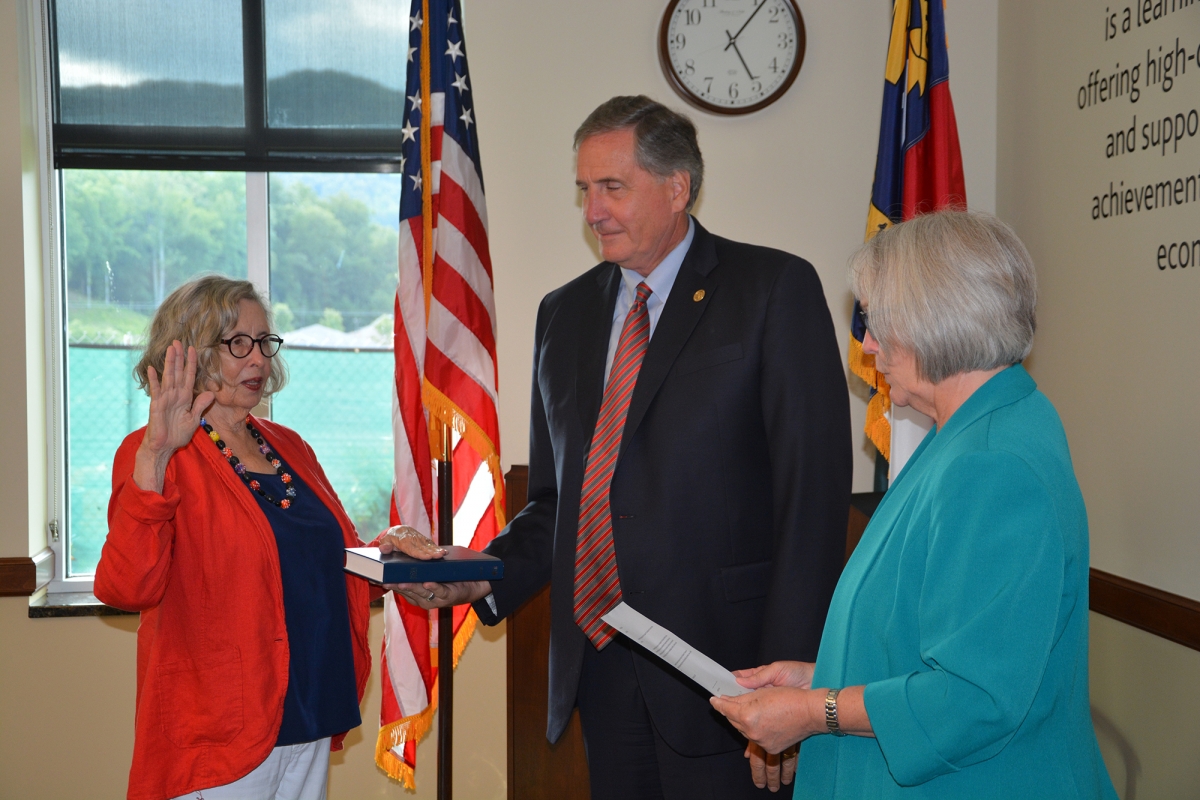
(291, 772)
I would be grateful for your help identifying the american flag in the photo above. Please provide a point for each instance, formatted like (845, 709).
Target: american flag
(445, 350)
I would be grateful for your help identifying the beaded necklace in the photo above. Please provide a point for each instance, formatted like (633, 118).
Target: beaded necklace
(240, 468)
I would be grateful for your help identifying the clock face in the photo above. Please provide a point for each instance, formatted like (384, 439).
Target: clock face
(731, 56)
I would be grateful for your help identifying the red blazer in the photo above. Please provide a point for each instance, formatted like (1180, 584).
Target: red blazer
(200, 563)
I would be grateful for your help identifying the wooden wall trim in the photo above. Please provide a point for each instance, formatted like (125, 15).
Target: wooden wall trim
(1170, 616)
(24, 575)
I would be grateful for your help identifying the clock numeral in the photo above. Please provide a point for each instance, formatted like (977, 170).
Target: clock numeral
(691, 16)
(756, 87)
(774, 67)
(710, 3)
(708, 84)
(689, 67)
(785, 40)
(733, 91)
(774, 14)
(680, 41)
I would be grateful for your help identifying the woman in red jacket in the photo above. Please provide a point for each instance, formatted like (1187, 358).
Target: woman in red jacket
(225, 534)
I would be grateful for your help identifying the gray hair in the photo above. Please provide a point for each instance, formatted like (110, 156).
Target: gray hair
(665, 140)
(199, 314)
(957, 289)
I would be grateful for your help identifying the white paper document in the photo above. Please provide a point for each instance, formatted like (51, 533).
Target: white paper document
(673, 650)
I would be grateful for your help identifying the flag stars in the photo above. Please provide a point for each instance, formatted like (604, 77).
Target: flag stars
(460, 83)
(411, 50)
(403, 161)
(410, 133)
(415, 23)
(416, 179)
(466, 117)
(450, 20)
(455, 52)
(415, 99)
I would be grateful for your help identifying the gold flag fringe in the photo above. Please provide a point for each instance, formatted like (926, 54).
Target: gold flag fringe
(445, 411)
(396, 734)
(414, 728)
(877, 427)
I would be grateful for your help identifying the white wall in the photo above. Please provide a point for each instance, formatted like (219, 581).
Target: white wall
(1115, 351)
(1117, 341)
(796, 176)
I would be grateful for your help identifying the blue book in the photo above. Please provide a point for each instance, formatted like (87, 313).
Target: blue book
(459, 564)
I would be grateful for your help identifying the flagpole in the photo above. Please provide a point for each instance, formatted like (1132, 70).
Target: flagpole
(445, 624)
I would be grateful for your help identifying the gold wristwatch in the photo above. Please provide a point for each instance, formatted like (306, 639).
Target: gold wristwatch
(831, 714)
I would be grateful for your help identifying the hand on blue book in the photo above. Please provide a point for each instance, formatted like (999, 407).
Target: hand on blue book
(411, 542)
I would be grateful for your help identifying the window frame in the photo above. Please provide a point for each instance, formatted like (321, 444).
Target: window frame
(255, 147)
(255, 150)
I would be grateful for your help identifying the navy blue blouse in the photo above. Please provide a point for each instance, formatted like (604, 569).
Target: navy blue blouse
(321, 699)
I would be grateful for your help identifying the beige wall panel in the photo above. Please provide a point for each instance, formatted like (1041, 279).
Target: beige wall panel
(66, 704)
(15, 490)
(1117, 349)
(1146, 710)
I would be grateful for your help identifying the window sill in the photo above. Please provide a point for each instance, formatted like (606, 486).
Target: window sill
(85, 604)
(72, 604)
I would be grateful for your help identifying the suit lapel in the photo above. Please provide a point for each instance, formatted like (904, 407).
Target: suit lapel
(595, 328)
(675, 326)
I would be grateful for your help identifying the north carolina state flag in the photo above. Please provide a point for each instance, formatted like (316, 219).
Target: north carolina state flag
(918, 166)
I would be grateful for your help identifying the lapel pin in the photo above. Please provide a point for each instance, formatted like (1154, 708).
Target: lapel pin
(698, 296)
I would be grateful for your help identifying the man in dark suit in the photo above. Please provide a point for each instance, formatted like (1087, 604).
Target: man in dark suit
(689, 455)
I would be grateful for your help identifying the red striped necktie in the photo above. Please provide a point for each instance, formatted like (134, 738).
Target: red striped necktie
(597, 588)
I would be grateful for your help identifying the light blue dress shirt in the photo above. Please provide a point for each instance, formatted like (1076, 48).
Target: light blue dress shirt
(660, 281)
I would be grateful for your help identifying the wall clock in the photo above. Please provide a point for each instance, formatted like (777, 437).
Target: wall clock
(731, 56)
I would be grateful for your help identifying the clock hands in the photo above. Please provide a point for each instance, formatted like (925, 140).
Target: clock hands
(734, 36)
(733, 43)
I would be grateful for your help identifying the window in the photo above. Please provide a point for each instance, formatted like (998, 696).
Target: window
(254, 138)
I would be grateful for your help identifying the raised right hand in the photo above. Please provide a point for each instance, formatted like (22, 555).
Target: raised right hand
(174, 414)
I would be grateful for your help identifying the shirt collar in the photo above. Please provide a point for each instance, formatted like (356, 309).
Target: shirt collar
(662, 278)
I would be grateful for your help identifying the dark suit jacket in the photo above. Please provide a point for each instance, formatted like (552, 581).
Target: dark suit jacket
(732, 488)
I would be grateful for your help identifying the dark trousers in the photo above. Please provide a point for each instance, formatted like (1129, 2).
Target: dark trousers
(628, 760)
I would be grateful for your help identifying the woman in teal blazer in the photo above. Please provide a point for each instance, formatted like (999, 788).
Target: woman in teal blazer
(955, 649)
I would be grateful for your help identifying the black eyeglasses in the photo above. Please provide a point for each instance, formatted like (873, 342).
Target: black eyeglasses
(241, 345)
(862, 317)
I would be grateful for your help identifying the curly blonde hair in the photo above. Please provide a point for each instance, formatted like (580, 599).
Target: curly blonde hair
(200, 313)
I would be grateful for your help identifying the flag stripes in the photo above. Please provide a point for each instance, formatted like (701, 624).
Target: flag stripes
(445, 358)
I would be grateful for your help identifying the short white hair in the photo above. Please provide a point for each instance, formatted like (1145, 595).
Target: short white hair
(957, 289)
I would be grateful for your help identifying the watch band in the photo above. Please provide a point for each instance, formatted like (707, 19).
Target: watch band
(831, 713)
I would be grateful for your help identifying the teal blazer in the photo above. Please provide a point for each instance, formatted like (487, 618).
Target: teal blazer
(964, 612)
